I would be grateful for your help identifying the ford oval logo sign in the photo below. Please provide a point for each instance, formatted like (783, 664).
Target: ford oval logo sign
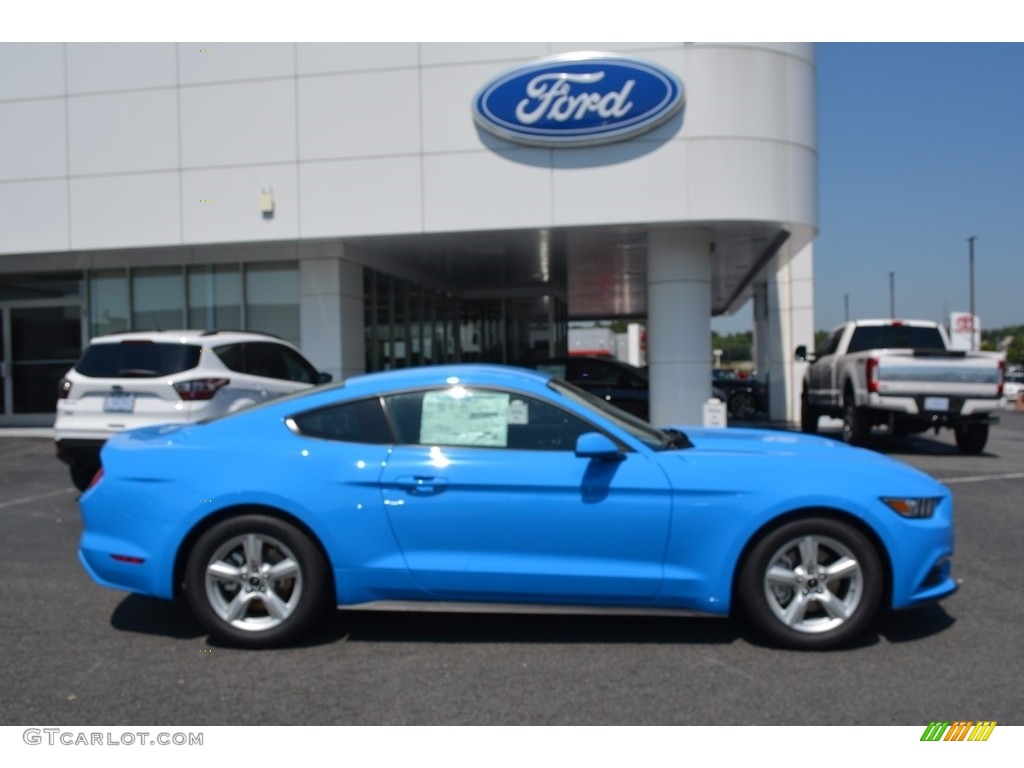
(578, 99)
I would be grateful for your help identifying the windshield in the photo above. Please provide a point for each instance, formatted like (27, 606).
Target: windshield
(652, 437)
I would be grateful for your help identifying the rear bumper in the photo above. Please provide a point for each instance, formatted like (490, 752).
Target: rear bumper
(962, 409)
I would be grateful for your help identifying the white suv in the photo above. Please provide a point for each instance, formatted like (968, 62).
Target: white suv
(130, 380)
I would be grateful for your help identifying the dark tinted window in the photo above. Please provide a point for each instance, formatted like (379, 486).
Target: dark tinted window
(605, 374)
(895, 337)
(297, 368)
(133, 359)
(265, 358)
(231, 356)
(358, 422)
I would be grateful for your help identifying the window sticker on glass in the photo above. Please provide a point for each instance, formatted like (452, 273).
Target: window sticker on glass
(518, 412)
(462, 417)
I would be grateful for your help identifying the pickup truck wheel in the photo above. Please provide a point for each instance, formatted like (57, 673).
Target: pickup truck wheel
(971, 438)
(808, 417)
(855, 427)
(811, 584)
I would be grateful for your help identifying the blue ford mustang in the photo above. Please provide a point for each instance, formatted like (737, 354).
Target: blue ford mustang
(497, 488)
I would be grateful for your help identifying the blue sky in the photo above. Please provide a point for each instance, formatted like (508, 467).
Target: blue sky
(921, 146)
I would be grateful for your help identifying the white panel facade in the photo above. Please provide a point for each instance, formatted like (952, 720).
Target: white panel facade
(31, 70)
(125, 211)
(222, 204)
(96, 67)
(123, 132)
(238, 123)
(33, 141)
(447, 119)
(432, 54)
(359, 115)
(362, 197)
(220, 62)
(495, 190)
(318, 58)
(650, 186)
(34, 216)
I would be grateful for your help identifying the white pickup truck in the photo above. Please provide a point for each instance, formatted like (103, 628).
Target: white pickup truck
(901, 374)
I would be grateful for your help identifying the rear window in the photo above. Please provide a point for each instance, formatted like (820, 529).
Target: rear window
(137, 360)
(895, 337)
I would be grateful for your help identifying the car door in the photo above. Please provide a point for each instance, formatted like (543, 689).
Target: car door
(489, 502)
(823, 372)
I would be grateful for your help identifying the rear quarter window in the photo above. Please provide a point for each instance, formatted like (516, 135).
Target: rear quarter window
(361, 421)
(131, 359)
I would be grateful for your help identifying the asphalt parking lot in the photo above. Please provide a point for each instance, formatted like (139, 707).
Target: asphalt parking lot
(77, 654)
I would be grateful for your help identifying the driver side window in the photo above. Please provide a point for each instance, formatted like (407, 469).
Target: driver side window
(483, 418)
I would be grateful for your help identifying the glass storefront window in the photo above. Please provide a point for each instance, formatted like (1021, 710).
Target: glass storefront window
(214, 297)
(108, 302)
(272, 299)
(158, 298)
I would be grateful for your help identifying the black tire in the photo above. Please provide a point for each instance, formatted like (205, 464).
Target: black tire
(856, 428)
(742, 405)
(808, 417)
(971, 438)
(268, 584)
(82, 474)
(786, 593)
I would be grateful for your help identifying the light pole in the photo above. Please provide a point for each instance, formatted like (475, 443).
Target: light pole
(970, 245)
(846, 307)
(892, 294)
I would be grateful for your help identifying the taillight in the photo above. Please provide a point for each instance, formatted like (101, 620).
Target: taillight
(63, 388)
(871, 374)
(199, 389)
(96, 478)
(1002, 378)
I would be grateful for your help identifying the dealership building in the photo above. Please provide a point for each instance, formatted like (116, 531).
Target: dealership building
(384, 205)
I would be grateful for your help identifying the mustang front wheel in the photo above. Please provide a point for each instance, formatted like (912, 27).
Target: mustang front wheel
(256, 581)
(811, 584)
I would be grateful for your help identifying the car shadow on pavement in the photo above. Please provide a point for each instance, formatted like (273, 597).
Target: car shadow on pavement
(437, 627)
(153, 616)
(914, 624)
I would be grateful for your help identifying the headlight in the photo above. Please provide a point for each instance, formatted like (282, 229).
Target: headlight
(917, 508)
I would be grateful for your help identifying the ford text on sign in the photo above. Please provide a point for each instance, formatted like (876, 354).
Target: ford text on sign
(578, 99)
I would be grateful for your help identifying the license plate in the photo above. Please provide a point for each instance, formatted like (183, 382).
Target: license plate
(936, 403)
(118, 402)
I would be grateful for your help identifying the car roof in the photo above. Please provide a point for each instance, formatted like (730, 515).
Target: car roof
(200, 336)
(456, 373)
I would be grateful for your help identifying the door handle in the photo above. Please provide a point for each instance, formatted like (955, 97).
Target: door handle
(421, 485)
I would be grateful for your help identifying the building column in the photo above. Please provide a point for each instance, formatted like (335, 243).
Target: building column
(784, 319)
(678, 324)
(331, 315)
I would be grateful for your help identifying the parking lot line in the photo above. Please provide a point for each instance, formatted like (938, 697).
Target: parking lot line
(26, 499)
(981, 478)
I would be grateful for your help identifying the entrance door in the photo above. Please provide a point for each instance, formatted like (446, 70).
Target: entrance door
(39, 341)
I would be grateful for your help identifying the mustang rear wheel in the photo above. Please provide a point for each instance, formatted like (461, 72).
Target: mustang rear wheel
(256, 581)
(811, 584)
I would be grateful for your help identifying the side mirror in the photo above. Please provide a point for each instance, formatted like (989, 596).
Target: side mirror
(803, 356)
(594, 445)
(323, 377)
